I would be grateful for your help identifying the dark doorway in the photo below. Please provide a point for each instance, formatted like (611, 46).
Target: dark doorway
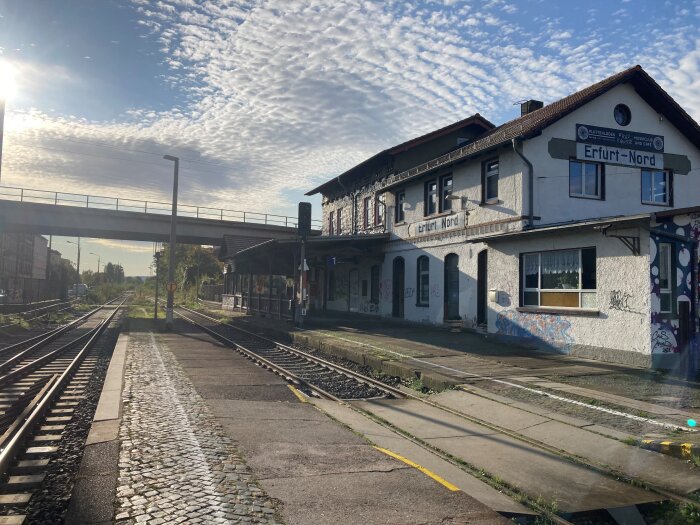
(451, 287)
(397, 287)
(481, 288)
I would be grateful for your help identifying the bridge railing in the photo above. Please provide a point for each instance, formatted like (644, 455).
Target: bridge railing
(120, 204)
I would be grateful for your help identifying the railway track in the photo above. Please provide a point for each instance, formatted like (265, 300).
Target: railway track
(313, 375)
(42, 383)
(264, 349)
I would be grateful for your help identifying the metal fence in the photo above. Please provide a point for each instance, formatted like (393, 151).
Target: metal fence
(56, 198)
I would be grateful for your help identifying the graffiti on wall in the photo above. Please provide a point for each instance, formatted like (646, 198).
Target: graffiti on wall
(341, 286)
(620, 300)
(435, 290)
(369, 308)
(409, 292)
(550, 329)
(664, 331)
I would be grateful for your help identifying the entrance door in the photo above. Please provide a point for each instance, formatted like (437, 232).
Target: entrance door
(481, 288)
(354, 292)
(451, 287)
(397, 288)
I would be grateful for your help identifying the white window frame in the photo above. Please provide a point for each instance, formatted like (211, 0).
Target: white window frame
(670, 278)
(667, 175)
(579, 291)
(599, 181)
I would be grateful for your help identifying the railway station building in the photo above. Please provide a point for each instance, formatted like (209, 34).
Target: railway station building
(573, 227)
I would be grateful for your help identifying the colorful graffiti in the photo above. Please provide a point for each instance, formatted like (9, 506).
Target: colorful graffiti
(664, 328)
(549, 329)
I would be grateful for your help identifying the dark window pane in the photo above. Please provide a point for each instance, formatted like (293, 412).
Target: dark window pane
(531, 299)
(665, 303)
(591, 180)
(660, 191)
(588, 264)
(575, 178)
(646, 186)
(492, 187)
(531, 267)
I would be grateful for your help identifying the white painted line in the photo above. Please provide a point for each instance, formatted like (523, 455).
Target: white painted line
(515, 385)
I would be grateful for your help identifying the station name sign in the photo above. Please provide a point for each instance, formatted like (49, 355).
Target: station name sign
(614, 146)
(437, 225)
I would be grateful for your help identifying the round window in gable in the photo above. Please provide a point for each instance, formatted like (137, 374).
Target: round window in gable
(623, 115)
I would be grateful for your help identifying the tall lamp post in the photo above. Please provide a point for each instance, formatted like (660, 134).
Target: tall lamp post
(171, 259)
(77, 267)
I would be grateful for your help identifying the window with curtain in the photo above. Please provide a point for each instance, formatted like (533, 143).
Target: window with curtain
(423, 285)
(561, 278)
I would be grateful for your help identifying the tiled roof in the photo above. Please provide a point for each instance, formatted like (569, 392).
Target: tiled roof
(532, 123)
(475, 119)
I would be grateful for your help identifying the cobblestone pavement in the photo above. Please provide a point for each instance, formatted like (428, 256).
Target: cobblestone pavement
(175, 464)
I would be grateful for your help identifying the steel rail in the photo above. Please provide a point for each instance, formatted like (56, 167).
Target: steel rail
(578, 460)
(52, 334)
(39, 362)
(10, 450)
(262, 361)
(317, 360)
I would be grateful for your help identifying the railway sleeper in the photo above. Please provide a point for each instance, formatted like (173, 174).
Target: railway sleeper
(23, 482)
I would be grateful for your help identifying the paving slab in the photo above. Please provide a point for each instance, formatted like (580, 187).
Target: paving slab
(534, 470)
(252, 410)
(318, 470)
(407, 498)
(388, 439)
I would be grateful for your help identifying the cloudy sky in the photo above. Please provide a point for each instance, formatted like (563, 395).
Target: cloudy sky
(263, 100)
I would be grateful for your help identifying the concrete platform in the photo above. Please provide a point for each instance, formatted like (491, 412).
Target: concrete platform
(317, 470)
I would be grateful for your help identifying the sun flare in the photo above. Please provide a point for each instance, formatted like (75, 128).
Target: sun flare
(8, 85)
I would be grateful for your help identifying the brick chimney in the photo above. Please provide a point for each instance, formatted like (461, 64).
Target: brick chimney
(529, 106)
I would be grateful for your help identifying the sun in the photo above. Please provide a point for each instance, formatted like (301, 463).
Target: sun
(8, 85)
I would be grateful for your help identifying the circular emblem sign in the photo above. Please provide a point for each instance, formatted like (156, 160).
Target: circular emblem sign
(582, 132)
(658, 143)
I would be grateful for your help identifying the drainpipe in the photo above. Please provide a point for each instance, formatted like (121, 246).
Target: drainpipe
(530, 183)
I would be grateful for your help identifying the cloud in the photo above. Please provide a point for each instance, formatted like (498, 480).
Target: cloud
(280, 96)
(132, 247)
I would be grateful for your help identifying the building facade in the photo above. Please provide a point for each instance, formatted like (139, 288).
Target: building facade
(574, 227)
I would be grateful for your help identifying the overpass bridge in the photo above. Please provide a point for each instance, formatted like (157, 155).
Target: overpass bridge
(78, 215)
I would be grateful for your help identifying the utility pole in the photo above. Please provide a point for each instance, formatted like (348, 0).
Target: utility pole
(173, 241)
(157, 257)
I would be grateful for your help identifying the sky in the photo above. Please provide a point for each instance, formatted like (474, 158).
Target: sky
(264, 100)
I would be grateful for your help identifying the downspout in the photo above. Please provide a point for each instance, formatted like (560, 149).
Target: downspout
(530, 184)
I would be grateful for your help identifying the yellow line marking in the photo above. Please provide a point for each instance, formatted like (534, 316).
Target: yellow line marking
(424, 470)
(301, 396)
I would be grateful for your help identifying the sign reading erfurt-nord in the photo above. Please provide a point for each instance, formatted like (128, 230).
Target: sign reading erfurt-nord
(624, 148)
(619, 156)
(618, 138)
(437, 225)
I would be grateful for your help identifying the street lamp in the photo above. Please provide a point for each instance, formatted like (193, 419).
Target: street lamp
(77, 267)
(171, 259)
